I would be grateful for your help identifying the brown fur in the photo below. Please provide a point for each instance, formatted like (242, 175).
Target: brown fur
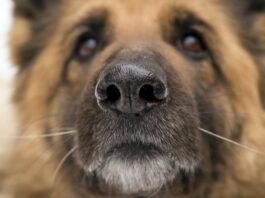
(240, 93)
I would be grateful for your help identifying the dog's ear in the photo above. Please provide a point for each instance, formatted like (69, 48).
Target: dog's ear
(253, 16)
(32, 8)
(258, 47)
(246, 7)
(252, 19)
(33, 22)
(255, 11)
(254, 6)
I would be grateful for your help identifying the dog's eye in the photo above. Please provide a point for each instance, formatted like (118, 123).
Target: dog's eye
(193, 45)
(87, 47)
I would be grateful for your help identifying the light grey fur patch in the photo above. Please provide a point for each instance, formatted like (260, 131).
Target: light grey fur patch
(141, 177)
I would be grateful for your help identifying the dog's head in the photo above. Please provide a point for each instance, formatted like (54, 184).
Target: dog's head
(139, 82)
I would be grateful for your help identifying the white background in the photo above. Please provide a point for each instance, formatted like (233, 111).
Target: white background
(7, 118)
(5, 21)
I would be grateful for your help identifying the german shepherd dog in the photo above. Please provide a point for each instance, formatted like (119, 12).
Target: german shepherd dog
(134, 99)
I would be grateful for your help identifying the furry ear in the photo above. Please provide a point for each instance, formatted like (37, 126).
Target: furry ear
(255, 6)
(33, 23)
(258, 36)
(246, 7)
(31, 8)
(253, 18)
(250, 18)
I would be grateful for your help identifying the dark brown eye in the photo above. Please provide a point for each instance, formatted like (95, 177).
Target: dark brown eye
(87, 47)
(193, 45)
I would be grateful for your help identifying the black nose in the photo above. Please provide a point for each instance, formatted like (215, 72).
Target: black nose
(131, 89)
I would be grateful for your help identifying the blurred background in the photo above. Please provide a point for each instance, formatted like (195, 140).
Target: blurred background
(5, 20)
(7, 72)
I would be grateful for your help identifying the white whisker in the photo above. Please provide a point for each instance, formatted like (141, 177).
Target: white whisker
(67, 155)
(40, 136)
(231, 141)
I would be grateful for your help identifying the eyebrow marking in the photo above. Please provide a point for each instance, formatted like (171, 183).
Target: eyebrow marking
(97, 17)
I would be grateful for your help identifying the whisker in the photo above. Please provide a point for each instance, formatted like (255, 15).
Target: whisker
(42, 158)
(41, 136)
(67, 155)
(232, 142)
(40, 120)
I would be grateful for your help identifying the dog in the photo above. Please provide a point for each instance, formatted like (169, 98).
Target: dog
(138, 99)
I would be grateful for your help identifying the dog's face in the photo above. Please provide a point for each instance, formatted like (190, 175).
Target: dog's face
(138, 81)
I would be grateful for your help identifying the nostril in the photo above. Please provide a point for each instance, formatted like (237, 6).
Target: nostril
(107, 93)
(130, 89)
(147, 93)
(113, 93)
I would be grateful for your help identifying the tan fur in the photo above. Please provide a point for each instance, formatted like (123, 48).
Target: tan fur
(32, 165)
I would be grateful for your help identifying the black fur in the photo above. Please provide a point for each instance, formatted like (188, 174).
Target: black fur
(256, 6)
(32, 9)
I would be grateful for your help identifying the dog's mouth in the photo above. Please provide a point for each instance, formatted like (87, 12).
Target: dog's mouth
(135, 168)
(135, 150)
(140, 156)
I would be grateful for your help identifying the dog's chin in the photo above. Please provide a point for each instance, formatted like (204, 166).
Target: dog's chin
(130, 170)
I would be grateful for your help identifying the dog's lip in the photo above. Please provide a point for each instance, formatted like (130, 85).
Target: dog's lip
(138, 153)
(150, 152)
(132, 150)
(137, 148)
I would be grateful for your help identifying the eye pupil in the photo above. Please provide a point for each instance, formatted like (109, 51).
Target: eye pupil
(88, 47)
(192, 44)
